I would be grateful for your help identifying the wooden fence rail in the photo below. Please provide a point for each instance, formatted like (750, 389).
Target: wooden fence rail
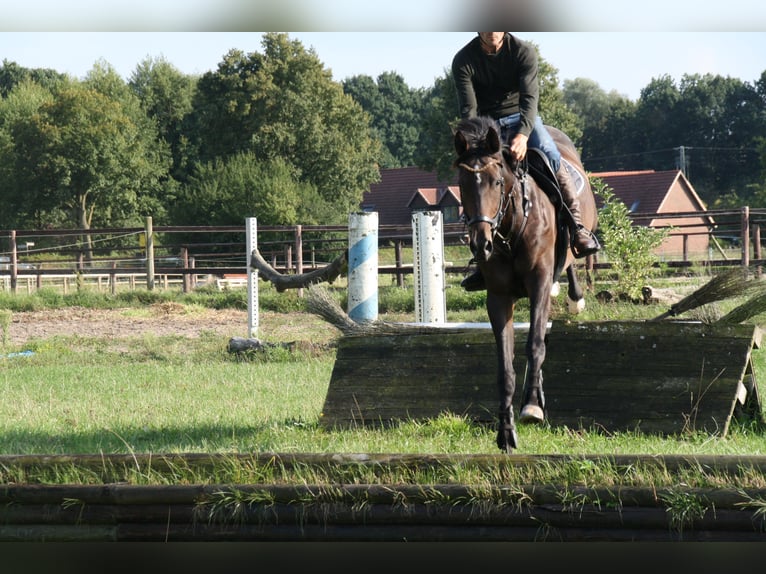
(189, 255)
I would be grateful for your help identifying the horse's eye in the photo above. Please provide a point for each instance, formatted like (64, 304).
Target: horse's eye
(500, 182)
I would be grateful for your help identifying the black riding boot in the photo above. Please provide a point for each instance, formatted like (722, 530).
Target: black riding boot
(584, 243)
(474, 281)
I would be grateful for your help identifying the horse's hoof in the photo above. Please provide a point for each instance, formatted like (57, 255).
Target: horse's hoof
(507, 439)
(531, 414)
(576, 307)
(507, 448)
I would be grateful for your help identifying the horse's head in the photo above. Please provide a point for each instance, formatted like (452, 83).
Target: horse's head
(484, 180)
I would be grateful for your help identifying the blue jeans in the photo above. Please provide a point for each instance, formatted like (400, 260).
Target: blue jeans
(540, 138)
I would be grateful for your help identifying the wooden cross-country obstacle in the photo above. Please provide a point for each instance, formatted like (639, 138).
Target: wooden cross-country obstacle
(663, 377)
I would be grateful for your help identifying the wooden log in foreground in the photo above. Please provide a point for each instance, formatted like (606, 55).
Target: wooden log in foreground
(335, 511)
(115, 468)
(378, 513)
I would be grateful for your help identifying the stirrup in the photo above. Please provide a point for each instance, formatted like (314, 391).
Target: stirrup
(580, 253)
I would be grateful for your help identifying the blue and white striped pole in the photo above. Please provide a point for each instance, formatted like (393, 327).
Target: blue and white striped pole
(363, 266)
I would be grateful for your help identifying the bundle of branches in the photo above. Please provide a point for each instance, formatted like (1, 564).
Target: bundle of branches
(750, 308)
(733, 283)
(321, 302)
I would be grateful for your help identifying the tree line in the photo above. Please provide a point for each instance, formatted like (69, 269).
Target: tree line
(270, 134)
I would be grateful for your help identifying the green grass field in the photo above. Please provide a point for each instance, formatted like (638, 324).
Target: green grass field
(155, 395)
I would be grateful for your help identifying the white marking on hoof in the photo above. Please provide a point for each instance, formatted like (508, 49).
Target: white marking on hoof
(531, 414)
(555, 289)
(576, 307)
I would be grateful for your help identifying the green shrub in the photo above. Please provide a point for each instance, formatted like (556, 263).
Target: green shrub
(396, 300)
(145, 296)
(49, 297)
(630, 248)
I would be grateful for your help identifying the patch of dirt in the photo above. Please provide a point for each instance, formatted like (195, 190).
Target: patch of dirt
(118, 323)
(160, 320)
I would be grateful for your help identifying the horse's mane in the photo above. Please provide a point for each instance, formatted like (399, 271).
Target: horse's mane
(475, 131)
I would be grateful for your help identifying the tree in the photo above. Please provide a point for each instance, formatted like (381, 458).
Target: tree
(225, 191)
(440, 117)
(553, 108)
(11, 74)
(606, 120)
(721, 120)
(283, 103)
(586, 99)
(395, 110)
(17, 109)
(150, 162)
(166, 96)
(83, 154)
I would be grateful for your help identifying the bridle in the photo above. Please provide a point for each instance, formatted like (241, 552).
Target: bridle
(508, 199)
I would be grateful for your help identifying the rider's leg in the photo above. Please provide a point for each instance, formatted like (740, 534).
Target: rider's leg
(583, 241)
(474, 281)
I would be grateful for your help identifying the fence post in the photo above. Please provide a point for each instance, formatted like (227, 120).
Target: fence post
(757, 248)
(428, 267)
(186, 277)
(745, 236)
(251, 228)
(149, 254)
(113, 279)
(14, 263)
(299, 254)
(399, 263)
(363, 266)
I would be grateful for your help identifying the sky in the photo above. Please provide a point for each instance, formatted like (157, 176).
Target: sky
(621, 46)
(624, 62)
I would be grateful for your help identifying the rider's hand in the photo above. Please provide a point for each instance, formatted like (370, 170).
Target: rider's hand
(518, 147)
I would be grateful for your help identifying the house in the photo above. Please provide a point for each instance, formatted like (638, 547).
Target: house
(401, 191)
(649, 193)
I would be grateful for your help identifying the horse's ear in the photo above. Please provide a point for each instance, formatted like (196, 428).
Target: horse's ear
(493, 140)
(461, 145)
(512, 163)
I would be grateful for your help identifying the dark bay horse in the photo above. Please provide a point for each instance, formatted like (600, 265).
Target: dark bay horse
(521, 247)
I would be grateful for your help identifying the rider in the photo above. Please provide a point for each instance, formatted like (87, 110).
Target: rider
(496, 75)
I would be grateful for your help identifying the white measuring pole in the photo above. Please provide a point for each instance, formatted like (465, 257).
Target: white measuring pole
(363, 266)
(251, 244)
(428, 267)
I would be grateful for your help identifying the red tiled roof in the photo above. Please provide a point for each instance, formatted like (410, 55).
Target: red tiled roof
(430, 195)
(433, 196)
(646, 191)
(392, 195)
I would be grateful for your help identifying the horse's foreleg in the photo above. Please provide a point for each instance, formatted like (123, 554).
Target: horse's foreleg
(533, 405)
(500, 310)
